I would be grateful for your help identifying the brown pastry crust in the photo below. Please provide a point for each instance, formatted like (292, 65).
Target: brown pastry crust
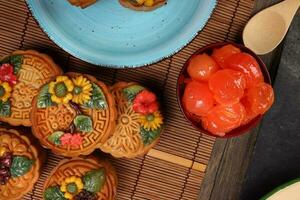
(157, 4)
(47, 120)
(21, 145)
(126, 140)
(36, 70)
(78, 167)
(82, 3)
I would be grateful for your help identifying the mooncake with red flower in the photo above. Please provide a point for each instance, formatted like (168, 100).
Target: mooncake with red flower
(81, 179)
(139, 123)
(73, 114)
(21, 75)
(20, 164)
(143, 5)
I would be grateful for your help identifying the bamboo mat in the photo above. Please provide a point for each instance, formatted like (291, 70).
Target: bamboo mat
(176, 167)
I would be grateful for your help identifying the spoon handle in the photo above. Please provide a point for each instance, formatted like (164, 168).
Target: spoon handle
(287, 8)
(293, 3)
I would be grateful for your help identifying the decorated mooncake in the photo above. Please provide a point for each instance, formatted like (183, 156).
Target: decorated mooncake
(20, 164)
(143, 5)
(81, 179)
(73, 114)
(82, 3)
(139, 122)
(21, 75)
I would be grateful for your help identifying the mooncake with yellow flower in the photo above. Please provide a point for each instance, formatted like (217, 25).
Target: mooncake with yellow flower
(143, 5)
(73, 114)
(20, 164)
(81, 179)
(139, 123)
(21, 75)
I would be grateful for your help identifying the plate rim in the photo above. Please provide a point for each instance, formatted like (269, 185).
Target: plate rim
(211, 8)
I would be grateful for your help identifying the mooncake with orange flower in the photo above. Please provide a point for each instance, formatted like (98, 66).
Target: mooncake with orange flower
(21, 75)
(20, 164)
(143, 5)
(81, 179)
(73, 114)
(139, 123)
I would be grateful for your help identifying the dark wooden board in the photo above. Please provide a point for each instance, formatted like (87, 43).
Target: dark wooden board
(231, 157)
(276, 158)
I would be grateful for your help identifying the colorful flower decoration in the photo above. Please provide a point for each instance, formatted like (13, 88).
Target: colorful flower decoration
(145, 103)
(151, 121)
(7, 74)
(78, 188)
(66, 139)
(61, 90)
(76, 140)
(71, 186)
(5, 91)
(71, 139)
(13, 165)
(82, 90)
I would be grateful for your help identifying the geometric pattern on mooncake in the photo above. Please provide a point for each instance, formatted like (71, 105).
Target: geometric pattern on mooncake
(78, 167)
(36, 69)
(127, 140)
(45, 121)
(20, 145)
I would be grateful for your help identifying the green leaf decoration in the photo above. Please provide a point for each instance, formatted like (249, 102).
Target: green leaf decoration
(83, 123)
(44, 98)
(149, 136)
(94, 180)
(20, 166)
(98, 100)
(15, 60)
(131, 91)
(53, 193)
(5, 108)
(55, 137)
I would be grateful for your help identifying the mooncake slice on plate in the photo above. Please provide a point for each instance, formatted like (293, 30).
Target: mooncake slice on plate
(143, 5)
(82, 3)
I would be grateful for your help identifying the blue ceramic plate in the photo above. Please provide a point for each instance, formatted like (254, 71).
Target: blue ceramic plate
(108, 34)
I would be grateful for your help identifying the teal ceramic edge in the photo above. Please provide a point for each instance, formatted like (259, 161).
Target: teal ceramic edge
(173, 49)
(281, 187)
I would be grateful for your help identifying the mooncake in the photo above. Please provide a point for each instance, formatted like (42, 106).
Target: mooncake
(81, 179)
(21, 75)
(139, 123)
(73, 114)
(82, 3)
(143, 5)
(20, 164)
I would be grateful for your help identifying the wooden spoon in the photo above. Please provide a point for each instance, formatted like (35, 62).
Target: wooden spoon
(266, 30)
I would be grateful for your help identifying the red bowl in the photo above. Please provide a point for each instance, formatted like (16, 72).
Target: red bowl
(193, 119)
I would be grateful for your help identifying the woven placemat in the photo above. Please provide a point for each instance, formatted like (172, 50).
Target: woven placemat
(176, 167)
